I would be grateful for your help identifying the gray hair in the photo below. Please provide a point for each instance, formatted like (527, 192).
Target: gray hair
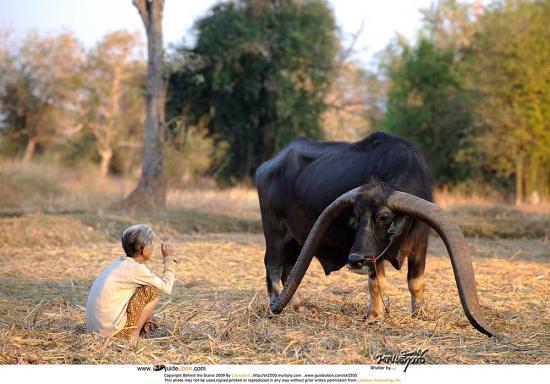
(137, 237)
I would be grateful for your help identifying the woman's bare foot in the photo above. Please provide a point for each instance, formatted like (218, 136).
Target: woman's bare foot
(133, 339)
(148, 328)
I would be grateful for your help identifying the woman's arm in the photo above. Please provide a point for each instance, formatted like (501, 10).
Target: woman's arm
(144, 276)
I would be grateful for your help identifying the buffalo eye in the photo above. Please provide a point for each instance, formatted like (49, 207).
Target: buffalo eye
(384, 219)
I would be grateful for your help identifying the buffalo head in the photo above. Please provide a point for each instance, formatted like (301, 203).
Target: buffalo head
(379, 229)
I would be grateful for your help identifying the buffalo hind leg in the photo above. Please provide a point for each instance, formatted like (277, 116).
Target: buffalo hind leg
(416, 254)
(415, 280)
(377, 283)
(274, 262)
(280, 257)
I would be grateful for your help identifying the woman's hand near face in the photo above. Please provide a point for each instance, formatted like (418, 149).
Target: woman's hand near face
(167, 249)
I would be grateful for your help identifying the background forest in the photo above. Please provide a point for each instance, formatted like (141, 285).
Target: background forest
(472, 92)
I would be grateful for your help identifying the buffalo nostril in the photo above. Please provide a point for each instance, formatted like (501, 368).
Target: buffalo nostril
(354, 257)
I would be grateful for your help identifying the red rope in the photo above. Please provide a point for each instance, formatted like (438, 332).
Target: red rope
(374, 260)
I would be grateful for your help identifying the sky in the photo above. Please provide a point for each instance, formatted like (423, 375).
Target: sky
(90, 20)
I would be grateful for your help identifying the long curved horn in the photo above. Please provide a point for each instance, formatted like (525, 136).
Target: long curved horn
(310, 247)
(456, 247)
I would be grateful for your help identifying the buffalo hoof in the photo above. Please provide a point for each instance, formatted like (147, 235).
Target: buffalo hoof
(297, 304)
(373, 316)
(420, 313)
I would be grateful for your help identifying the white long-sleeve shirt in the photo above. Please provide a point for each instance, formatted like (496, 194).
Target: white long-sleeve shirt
(112, 290)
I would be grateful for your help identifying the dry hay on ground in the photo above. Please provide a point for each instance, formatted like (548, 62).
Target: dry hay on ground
(501, 222)
(217, 313)
(213, 215)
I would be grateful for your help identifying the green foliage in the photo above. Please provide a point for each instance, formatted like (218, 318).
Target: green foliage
(191, 154)
(509, 78)
(258, 73)
(474, 95)
(426, 105)
(451, 24)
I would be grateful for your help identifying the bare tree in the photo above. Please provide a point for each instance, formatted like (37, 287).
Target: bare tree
(39, 90)
(109, 80)
(151, 189)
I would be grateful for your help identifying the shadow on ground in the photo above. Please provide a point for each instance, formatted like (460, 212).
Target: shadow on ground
(79, 228)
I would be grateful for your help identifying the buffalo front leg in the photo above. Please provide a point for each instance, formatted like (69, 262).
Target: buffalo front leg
(377, 283)
(415, 274)
(415, 280)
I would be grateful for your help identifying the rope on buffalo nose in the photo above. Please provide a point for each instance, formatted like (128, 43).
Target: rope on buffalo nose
(374, 260)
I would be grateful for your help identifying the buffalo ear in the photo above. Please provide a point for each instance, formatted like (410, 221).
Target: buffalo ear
(399, 227)
(396, 262)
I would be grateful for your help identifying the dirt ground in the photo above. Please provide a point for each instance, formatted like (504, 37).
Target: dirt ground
(217, 313)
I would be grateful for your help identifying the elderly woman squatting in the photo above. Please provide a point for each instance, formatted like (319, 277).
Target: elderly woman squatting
(122, 299)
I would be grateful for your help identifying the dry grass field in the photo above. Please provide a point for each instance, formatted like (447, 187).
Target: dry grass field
(59, 229)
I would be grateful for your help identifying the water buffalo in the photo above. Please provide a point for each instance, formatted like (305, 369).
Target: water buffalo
(356, 204)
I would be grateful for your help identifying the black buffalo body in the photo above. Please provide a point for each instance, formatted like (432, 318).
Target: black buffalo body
(307, 178)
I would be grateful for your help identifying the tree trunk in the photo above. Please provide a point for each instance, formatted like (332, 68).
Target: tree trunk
(106, 156)
(519, 180)
(532, 191)
(265, 126)
(151, 189)
(29, 150)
